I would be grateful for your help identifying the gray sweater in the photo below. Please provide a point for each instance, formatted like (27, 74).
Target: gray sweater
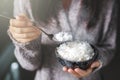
(94, 23)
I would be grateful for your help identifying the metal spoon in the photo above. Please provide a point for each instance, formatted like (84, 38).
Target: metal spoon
(35, 24)
(49, 35)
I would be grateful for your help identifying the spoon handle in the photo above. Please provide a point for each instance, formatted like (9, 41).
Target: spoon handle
(5, 17)
(35, 24)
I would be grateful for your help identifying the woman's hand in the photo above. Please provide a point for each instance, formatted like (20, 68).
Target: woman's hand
(82, 73)
(22, 29)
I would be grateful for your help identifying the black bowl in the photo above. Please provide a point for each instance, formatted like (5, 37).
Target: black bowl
(82, 65)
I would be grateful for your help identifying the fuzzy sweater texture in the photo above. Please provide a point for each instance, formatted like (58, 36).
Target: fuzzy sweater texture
(96, 25)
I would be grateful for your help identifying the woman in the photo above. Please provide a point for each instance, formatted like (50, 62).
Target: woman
(93, 21)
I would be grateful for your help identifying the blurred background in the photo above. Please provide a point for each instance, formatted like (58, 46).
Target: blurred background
(9, 67)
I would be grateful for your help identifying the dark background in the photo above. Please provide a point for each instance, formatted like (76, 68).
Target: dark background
(110, 72)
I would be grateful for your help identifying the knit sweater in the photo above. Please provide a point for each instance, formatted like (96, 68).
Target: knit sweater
(94, 23)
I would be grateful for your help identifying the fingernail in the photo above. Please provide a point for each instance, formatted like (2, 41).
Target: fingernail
(64, 68)
(76, 69)
(69, 70)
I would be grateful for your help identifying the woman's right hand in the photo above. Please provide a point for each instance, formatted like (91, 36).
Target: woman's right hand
(22, 29)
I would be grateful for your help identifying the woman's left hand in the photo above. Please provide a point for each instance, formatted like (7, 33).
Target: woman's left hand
(82, 73)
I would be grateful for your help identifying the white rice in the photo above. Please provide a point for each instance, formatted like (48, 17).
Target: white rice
(62, 37)
(75, 51)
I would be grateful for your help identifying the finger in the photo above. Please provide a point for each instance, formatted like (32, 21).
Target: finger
(89, 71)
(80, 71)
(25, 36)
(65, 68)
(22, 30)
(27, 40)
(83, 73)
(74, 73)
(95, 64)
(22, 17)
(18, 23)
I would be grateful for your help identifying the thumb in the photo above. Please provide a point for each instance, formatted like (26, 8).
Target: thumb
(95, 64)
(22, 16)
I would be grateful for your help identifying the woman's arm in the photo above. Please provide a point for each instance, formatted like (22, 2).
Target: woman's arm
(106, 46)
(28, 52)
(27, 41)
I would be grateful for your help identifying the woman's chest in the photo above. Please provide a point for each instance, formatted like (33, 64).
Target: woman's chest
(74, 20)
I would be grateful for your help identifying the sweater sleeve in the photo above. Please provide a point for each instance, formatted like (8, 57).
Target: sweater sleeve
(28, 54)
(106, 44)
(23, 7)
